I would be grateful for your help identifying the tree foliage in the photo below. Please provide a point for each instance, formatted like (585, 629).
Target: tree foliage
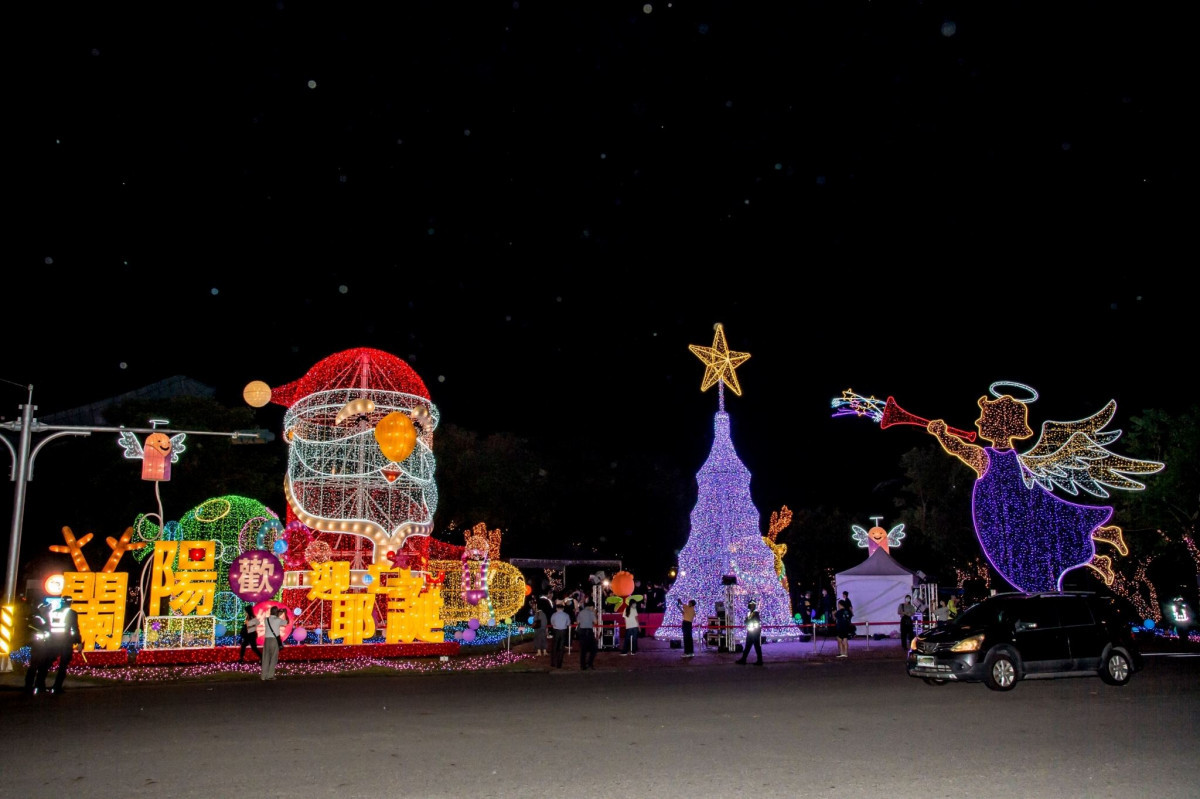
(1160, 521)
(934, 503)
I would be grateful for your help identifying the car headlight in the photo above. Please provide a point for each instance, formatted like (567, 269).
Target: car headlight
(971, 644)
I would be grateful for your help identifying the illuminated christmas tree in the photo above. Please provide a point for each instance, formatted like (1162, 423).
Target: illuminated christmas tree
(725, 539)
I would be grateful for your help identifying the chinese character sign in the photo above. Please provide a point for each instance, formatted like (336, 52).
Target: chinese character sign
(184, 573)
(255, 575)
(98, 600)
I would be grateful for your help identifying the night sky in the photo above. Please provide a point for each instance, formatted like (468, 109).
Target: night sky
(541, 205)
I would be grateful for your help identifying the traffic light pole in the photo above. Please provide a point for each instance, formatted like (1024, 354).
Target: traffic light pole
(22, 473)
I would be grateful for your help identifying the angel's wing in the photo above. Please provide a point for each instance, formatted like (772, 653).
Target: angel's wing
(133, 447)
(860, 535)
(177, 446)
(895, 534)
(1073, 455)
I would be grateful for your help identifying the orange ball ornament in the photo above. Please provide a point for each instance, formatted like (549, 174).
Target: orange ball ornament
(396, 436)
(622, 584)
(528, 589)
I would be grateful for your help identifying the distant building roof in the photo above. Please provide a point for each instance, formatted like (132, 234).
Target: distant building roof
(93, 414)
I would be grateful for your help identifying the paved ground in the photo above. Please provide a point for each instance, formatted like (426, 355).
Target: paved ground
(651, 654)
(652, 724)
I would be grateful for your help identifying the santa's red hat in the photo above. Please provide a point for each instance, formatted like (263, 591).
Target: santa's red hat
(362, 367)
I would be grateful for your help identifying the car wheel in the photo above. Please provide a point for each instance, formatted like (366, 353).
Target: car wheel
(933, 681)
(1116, 669)
(1001, 674)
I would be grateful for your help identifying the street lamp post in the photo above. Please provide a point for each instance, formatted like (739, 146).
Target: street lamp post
(22, 473)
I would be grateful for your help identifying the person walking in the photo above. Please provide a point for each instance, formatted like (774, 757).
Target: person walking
(585, 628)
(560, 625)
(907, 611)
(631, 627)
(845, 629)
(849, 604)
(753, 634)
(689, 617)
(272, 641)
(249, 635)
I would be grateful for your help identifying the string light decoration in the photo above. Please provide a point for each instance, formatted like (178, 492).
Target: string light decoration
(780, 519)
(233, 522)
(1031, 536)
(158, 453)
(720, 363)
(359, 429)
(1147, 606)
(554, 579)
(877, 537)
(74, 548)
(474, 562)
(725, 538)
(179, 632)
(98, 599)
(153, 666)
(978, 570)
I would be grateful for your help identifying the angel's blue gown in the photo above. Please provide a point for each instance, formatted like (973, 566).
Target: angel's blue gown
(1031, 537)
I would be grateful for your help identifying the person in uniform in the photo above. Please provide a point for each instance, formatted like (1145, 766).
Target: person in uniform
(64, 638)
(40, 653)
(753, 634)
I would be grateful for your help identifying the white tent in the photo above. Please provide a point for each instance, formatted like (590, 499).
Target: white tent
(877, 586)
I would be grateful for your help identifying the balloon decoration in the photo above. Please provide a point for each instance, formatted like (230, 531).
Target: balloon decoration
(299, 634)
(396, 436)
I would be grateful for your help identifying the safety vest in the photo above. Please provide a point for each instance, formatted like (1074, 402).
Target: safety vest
(59, 621)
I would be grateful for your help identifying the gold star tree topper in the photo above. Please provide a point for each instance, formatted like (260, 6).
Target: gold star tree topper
(720, 361)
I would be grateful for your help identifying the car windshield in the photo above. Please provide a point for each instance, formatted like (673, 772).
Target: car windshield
(979, 615)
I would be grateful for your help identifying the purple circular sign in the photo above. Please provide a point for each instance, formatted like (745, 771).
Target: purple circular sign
(255, 575)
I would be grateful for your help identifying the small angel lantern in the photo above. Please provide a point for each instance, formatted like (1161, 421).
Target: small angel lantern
(157, 455)
(877, 537)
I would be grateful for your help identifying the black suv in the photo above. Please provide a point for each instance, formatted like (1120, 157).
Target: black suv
(1017, 636)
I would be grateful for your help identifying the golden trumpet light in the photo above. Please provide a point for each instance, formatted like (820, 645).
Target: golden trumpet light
(256, 393)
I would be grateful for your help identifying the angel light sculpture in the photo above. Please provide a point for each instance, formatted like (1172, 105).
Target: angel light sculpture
(1030, 534)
